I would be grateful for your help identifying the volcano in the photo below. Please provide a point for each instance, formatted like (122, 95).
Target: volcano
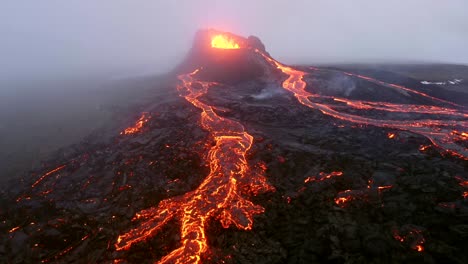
(244, 159)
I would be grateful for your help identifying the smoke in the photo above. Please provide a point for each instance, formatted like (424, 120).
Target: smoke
(268, 92)
(341, 85)
(116, 37)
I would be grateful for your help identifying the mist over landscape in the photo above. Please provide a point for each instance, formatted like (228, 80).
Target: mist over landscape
(269, 132)
(56, 39)
(67, 61)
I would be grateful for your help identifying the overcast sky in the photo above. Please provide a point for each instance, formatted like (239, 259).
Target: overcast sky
(116, 37)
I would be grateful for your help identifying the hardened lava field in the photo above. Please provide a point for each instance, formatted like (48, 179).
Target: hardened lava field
(247, 160)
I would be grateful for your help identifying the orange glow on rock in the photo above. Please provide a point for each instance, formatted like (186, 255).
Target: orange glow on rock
(342, 200)
(419, 248)
(13, 229)
(384, 187)
(411, 237)
(224, 42)
(144, 118)
(423, 147)
(323, 176)
(47, 174)
(344, 197)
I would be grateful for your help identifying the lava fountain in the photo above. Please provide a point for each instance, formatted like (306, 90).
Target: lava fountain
(222, 193)
(223, 41)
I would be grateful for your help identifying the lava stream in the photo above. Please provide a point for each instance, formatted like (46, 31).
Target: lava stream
(220, 195)
(46, 175)
(442, 133)
(144, 118)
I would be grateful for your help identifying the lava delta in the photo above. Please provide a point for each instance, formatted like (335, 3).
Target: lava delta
(243, 159)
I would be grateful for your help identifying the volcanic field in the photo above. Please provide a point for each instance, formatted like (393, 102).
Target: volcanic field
(247, 160)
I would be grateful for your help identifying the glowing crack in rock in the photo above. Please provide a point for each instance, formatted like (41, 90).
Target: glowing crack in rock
(324, 176)
(411, 236)
(47, 174)
(144, 118)
(220, 195)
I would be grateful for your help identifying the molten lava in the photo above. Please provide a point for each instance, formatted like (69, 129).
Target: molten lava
(144, 118)
(324, 176)
(411, 236)
(342, 200)
(220, 195)
(442, 133)
(14, 229)
(223, 41)
(47, 174)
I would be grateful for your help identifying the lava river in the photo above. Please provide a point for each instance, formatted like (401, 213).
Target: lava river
(444, 134)
(222, 193)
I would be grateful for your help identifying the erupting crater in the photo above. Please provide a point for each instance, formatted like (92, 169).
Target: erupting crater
(223, 41)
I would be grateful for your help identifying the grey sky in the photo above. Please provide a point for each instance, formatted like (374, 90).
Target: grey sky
(55, 37)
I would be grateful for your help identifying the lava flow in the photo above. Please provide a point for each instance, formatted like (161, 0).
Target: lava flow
(442, 133)
(220, 195)
(47, 174)
(144, 118)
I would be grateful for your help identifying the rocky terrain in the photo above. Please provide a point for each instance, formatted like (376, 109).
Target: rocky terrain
(337, 190)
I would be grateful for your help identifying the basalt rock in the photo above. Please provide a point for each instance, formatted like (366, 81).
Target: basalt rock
(344, 192)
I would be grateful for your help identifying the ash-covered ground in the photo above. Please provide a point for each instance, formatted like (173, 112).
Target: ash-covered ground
(343, 191)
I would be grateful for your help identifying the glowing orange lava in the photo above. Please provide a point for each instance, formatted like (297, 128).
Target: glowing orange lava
(463, 183)
(380, 188)
(346, 196)
(323, 176)
(220, 195)
(13, 229)
(442, 133)
(47, 174)
(419, 248)
(411, 236)
(342, 200)
(144, 118)
(222, 41)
